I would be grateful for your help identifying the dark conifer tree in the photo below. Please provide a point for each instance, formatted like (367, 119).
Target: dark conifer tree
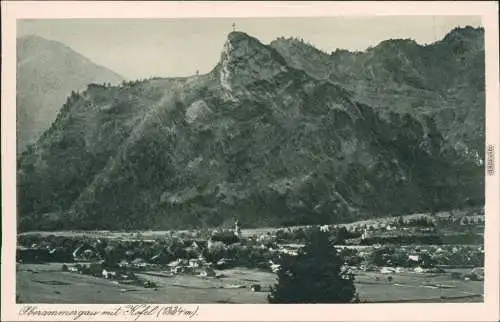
(315, 275)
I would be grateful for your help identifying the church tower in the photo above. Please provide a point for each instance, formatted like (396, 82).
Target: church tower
(365, 234)
(237, 228)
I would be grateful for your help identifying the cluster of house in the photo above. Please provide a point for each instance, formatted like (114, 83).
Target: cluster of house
(431, 259)
(196, 266)
(475, 274)
(86, 252)
(199, 266)
(395, 270)
(97, 269)
(475, 217)
(46, 253)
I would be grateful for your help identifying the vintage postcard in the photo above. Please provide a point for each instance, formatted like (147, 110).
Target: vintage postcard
(215, 161)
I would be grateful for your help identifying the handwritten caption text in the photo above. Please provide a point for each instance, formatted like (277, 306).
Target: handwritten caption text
(135, 312)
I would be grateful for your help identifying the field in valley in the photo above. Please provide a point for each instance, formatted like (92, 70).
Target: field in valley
(46, 283)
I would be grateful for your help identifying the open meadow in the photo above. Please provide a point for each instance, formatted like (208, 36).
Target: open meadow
(45, 283)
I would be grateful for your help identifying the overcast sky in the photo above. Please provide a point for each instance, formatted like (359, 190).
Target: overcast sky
(178, 47)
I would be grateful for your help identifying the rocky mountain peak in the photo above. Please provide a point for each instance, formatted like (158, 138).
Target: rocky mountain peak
(464, 32)
(465, 39)
(245, 60)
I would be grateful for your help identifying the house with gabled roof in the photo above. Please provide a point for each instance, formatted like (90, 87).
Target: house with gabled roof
(86, 252)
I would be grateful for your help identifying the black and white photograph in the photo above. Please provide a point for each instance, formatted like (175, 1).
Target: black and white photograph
(251, 160)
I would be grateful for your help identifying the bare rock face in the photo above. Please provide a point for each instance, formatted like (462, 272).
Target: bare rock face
(279, 134)
(244, 61)
(197, 111)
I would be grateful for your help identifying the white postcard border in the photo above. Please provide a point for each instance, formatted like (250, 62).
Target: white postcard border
(487, 311)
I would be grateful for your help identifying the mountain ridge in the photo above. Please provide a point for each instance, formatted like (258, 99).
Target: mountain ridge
(427, 95)
(257, 138)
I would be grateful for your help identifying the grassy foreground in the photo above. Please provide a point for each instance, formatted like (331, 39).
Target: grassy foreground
(45, 283)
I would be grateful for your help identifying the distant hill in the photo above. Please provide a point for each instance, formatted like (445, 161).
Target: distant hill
(279, 134)
(47, 72)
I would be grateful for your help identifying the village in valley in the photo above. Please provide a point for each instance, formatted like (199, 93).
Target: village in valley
(414, 258)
